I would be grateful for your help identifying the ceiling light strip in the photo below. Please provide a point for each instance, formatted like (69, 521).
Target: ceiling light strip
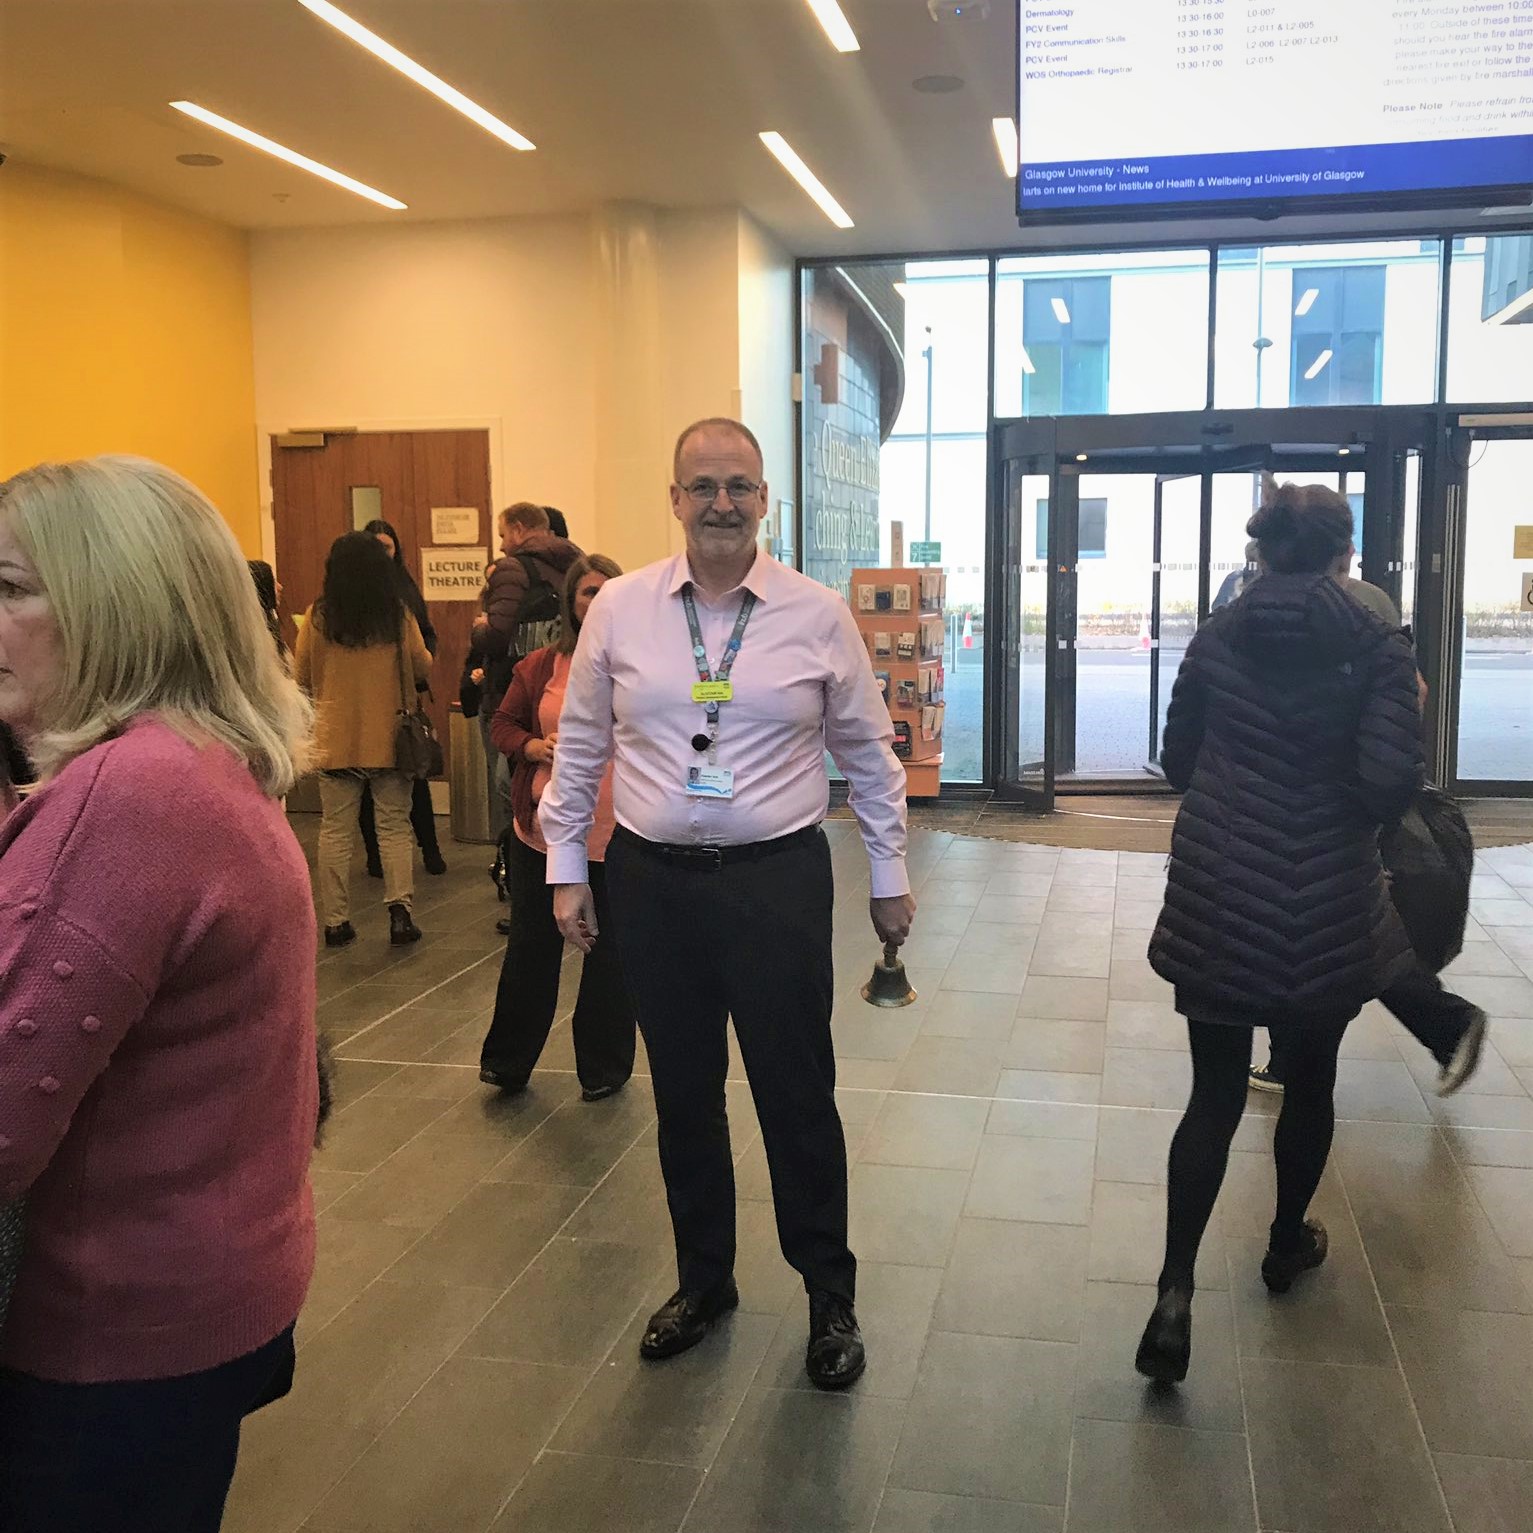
(788, 158)
(282, 152)
(1306, 302)
(837, 28)
(422, 76)
(1005, 131)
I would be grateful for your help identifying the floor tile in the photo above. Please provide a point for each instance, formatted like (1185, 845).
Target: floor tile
(894, 1311)
(1128, 1238)
(1041, 1181)
(1078, 1000)
(457, 1450)
(990, 1417)
(348, 1258)
(576, 1493)
(1337, 1450)
(1506, 1195)
(1133, 1143)
(1049, 1086)
(918, 1511)
(1032, 1119)
(570, 1306)
(287, 1465)
(673, 1412)
(1013, 1279)
(969, 1014)
(797, 1459)
(942, 1132)
(351, 1376)
(951, 1066)
(1042, 1043)
(1487, 1495)
(1146, 1078)
(905, 1214)
(1156, 1479)
(1108, 1388)
(524, 1219)
(1468, 1374)
(1145, 1025)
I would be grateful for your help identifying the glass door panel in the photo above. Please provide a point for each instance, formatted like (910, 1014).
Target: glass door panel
(1179, 515)
(1114, 647)
(1495, 710)
(1027, 756)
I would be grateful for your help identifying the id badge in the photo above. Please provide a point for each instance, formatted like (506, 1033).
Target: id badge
(713, 692)
(710, 782)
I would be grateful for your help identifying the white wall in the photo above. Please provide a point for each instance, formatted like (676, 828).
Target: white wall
(583, 343)
(437, 324)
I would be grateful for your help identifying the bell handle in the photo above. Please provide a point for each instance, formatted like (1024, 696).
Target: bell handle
(891, 954)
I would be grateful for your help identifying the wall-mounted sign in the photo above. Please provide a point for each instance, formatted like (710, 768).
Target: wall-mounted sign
(453, 574)
(897, 545)
(1527, 593)
(926, 553)
(1522, 542)
(455, 524)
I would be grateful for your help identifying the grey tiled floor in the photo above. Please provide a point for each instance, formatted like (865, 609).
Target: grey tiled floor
(467, 1357)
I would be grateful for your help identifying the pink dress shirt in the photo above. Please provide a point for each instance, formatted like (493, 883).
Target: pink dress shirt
(803, 684)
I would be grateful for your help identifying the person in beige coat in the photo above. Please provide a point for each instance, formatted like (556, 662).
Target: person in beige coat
(360, 654)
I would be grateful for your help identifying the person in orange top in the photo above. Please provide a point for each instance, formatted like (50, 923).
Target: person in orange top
(525, 730)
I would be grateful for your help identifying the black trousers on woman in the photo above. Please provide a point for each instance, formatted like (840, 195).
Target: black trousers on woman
(528, 994)
(422, 822)
(1200, 1150)
(143, 1456)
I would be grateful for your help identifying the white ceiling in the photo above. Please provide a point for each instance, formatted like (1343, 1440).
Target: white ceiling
(654, 101)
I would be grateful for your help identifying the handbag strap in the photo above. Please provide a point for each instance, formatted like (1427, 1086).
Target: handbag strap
(404, 671)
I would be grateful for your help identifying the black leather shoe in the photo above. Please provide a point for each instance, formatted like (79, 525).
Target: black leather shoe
(600, 1093)
(684, 1319)
(1166, 1346)
(835, 1356)
(402, 929)
(1280, 1268)
(339, 936)
(503, 926)
(436, 864)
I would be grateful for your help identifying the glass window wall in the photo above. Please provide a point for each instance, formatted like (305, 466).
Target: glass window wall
(1101, 334)
(1490, 306)
(1327, 324)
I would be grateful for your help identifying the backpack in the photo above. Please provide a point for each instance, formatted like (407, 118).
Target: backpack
(537, 617)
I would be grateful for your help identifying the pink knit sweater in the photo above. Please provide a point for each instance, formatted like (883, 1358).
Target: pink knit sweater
(157, 1079)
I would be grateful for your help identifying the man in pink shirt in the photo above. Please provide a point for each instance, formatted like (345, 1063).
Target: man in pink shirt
(715, 681)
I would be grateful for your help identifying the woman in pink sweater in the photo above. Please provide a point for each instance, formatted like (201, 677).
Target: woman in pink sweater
(157, 1085)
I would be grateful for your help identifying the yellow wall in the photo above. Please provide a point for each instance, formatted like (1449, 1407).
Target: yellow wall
(125, 326)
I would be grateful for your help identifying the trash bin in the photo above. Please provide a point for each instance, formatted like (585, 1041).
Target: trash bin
(470, 805)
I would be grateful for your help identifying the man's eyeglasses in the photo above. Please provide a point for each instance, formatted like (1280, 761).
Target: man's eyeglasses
(703, 492)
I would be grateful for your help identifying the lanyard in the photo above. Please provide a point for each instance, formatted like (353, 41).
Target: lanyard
(726, 663)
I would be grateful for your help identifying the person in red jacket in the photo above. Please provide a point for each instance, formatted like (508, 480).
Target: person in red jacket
(520, 603)
(158, 1095)
(526, 731)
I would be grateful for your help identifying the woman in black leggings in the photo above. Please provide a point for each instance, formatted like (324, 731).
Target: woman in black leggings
(1294, 733)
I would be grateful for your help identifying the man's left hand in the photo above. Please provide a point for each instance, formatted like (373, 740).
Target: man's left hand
(892, 917)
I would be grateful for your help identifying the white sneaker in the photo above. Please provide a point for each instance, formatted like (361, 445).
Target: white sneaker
(1466, 1058)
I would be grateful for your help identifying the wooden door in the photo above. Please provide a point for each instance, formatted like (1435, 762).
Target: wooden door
(411, 472)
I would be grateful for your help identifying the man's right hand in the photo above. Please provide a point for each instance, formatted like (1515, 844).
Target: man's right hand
(575, 915)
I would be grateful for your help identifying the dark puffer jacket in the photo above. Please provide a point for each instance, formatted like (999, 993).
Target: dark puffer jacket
(1294, 731)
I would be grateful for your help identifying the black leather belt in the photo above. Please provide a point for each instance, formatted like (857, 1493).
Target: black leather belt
(707, 859)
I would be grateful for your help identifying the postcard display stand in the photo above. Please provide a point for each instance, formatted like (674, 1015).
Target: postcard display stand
(899, 613)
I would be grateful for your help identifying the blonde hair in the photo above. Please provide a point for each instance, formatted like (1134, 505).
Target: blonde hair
(156, 614)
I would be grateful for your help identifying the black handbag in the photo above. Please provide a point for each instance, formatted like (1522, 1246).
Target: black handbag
(12, 1229)
(1429, 857)
(417, 750)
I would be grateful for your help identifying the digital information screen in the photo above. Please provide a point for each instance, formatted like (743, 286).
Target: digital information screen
(1153, 106)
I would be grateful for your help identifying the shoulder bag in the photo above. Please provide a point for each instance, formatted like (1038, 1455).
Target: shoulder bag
(417, 751)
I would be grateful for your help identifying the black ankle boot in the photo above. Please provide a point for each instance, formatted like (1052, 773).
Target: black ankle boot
(1166, 1346)
(1280, 1268)
(402, 930)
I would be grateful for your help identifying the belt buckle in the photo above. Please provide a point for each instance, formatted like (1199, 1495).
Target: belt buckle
(713, 856)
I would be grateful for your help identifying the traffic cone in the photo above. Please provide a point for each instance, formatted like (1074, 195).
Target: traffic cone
(968, 630)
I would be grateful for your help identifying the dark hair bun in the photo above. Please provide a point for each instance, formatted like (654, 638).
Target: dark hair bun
(1303, 529)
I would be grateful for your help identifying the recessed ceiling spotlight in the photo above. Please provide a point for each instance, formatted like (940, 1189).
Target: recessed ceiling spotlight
(199, 161)
(937, 85)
